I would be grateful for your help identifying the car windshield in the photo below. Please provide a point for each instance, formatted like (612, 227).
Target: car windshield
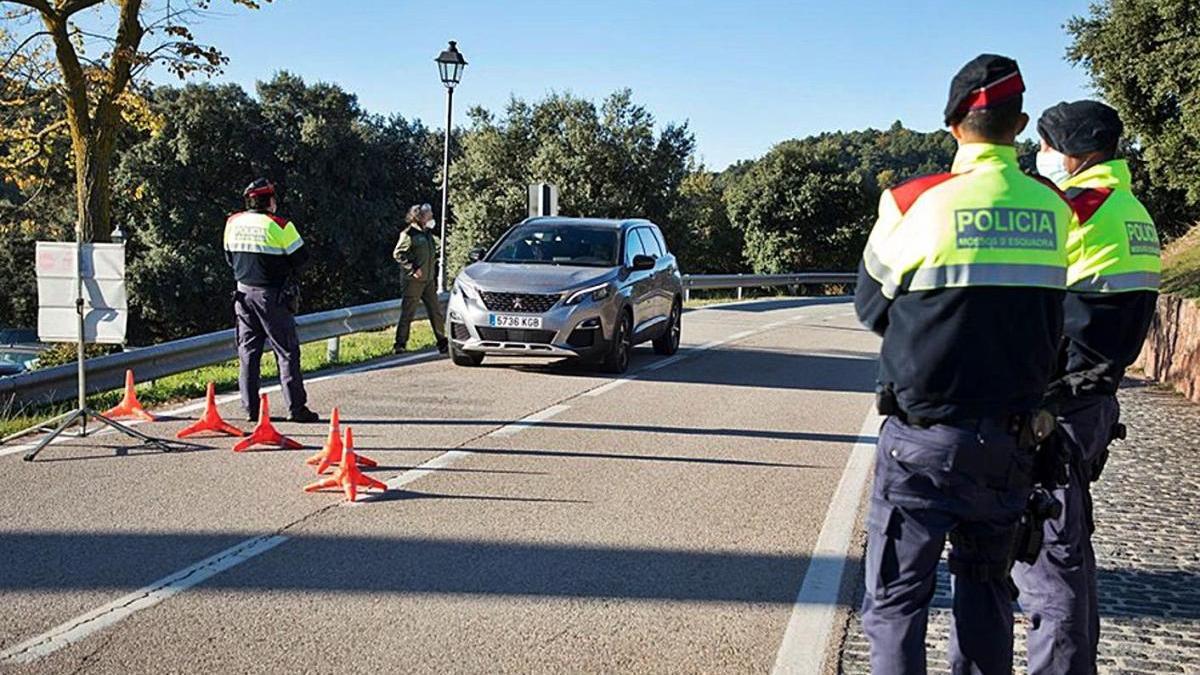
(558, 245)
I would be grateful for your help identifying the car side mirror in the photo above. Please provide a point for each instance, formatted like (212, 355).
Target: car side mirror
(642, 262)
(476, 254)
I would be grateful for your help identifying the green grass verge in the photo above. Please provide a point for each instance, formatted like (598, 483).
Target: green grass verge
(356, 348)
(1181, 265)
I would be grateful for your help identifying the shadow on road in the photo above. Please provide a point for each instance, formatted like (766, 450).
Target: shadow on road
(774, 304)
(766, 434)
(770, 434)
(51, 562)
(35, 562)
(575, 454)
(830, 370)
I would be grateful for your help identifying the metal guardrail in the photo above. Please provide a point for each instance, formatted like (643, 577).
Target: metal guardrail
(742, 281)
(178, 356)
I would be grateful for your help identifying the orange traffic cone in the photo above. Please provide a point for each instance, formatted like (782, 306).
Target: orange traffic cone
(348, 475)
(211, 419)
(129, 406)
(331, 454)
(265, 433)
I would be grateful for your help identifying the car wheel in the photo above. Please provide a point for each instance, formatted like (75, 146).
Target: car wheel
(668, 343)
(461, 358)
(617, 359)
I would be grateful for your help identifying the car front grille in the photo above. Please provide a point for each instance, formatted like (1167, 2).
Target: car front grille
(459, 331)
(515, 335)
(532, 303)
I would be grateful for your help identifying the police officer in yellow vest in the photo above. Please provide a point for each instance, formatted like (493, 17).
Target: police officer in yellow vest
(266, 252)
(963, 276)
(1112, 283)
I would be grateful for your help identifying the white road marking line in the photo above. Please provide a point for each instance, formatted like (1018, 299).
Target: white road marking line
(102, 617)
(665, 362)
(808, 631)
(449, 458)
(227, 398)
(605, 388)
(107, 615)
(98, 619)
(528, 421)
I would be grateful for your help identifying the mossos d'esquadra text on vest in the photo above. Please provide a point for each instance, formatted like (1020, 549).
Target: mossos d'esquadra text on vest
(1002, 227)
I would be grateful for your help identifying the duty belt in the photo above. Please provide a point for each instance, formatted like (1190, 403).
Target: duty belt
(1030, 428)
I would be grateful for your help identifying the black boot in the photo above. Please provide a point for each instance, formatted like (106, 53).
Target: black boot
(443, 345)
(304, 415)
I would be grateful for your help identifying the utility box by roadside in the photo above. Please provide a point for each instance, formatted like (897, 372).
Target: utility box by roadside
(543, 200)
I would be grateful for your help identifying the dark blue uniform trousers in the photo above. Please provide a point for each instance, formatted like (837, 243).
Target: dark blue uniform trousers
(1058, 591)
(968, 481)
(262, 315)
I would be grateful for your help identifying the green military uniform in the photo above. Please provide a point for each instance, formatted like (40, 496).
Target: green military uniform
(417, 250)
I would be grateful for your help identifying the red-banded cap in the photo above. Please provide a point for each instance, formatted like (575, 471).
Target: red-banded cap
(985, 82)
(259, 188)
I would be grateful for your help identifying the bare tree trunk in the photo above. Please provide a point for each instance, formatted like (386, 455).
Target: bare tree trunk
(93, 136)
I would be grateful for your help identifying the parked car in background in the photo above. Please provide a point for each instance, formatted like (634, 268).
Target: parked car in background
(19, 350)
(577, 288)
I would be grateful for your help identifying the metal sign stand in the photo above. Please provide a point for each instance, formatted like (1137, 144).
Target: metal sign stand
(82, 413)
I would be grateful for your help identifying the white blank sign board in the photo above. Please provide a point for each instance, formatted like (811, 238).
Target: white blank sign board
(106, 302)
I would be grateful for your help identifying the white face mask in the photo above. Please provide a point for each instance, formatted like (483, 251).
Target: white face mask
(431, 224)
(1053, 165)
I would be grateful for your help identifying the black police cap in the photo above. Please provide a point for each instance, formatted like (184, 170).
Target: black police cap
(985, 82)
(1080, 127)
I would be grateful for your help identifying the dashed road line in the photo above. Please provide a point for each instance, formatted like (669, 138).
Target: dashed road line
(528, 421)
(104, 616)
(816, 583)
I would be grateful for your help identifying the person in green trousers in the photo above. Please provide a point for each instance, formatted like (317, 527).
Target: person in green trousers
(417, 253)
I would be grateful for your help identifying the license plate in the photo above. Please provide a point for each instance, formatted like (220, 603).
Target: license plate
(511, 321)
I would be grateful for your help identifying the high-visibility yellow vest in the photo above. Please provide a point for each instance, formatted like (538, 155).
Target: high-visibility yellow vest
(253, 232)
(1115, 246)
(983, 224)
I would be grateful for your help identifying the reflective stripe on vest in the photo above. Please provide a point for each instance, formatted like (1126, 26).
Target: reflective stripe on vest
(250, 232)
(1115, 248)
(987, 224)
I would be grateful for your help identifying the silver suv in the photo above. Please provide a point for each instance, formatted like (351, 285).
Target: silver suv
(578, 288)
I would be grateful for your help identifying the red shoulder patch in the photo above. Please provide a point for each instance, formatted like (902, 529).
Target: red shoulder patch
(1050, 184)
(907, 192)
(282, 222)
(1088, 201)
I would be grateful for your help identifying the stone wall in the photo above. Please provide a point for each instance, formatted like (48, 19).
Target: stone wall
(1171, 354)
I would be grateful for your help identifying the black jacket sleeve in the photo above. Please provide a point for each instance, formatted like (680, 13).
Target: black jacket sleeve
(870, 302)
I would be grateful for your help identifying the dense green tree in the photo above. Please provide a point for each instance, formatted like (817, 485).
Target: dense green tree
(809, 203)
(344, 177)
(1144, 57)
(607, 162)
(703, 238)
(799, 210)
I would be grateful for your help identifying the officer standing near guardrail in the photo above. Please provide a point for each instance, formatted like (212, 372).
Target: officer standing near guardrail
(265, 252)
(417, 252)
(963, 276)
(1112, 282)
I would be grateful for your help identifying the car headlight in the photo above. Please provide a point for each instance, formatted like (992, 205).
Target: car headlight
(596, 293)
(464, 289)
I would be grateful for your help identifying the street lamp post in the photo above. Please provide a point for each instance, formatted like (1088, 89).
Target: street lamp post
(450, 67)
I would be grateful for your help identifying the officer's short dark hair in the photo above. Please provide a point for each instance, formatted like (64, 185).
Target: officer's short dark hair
(996, 123)
(258, 202)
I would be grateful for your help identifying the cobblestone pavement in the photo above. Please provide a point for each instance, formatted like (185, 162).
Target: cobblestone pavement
(1147, 547)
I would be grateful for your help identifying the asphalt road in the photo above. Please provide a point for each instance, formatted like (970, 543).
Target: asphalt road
(560, 520)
